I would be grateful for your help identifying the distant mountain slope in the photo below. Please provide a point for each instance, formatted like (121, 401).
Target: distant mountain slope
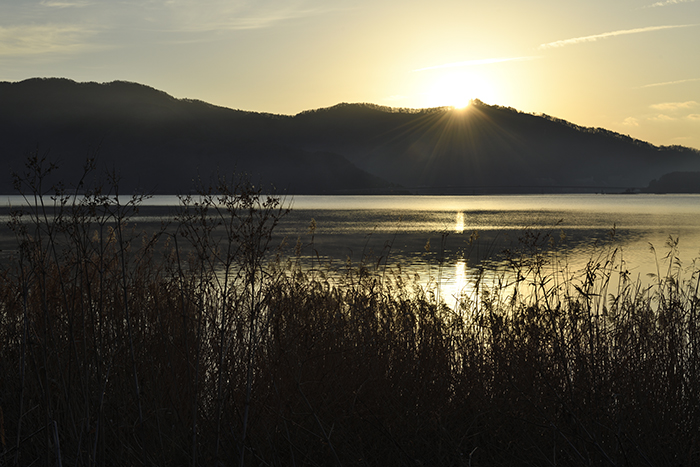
(487, 148)
(676, 182)
(160, 143)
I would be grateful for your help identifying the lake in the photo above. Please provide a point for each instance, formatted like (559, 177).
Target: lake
(581, 227)
(446, 239)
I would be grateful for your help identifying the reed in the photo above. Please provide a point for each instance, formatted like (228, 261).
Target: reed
(202, 343)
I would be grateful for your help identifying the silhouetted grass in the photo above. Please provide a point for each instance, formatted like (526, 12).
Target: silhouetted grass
(197, 345)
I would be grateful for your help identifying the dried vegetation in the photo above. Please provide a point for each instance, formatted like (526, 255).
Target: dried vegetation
(198, 345)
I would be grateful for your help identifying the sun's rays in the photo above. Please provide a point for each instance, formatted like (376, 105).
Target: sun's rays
(458, 90)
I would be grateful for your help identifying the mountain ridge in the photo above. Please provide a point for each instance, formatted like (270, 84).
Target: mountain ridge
(345, 148)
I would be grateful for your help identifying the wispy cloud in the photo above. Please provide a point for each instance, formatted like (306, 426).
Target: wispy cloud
(694, 117)
(167, 16)
(218, 15)
(668, 2)
(485, 61)
(630, 121)
(671, 106)
(662, 118)
(667, 83)
(33, 40)
(65, 4)
(74, 26)
(605, 35)
(264, 20)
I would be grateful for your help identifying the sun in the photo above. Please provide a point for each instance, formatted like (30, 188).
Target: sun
(457, 90)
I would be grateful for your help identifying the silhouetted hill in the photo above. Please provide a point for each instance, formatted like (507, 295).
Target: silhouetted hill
(676, 182)
(160, 143)
(487, 149)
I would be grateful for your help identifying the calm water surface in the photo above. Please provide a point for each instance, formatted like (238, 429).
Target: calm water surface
(468, 232)
(447, 238)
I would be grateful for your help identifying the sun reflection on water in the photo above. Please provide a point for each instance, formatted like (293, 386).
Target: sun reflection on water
(460, 277)
(458, 287)
(459, 222)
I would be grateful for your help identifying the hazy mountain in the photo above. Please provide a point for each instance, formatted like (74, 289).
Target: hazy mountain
(160, 143)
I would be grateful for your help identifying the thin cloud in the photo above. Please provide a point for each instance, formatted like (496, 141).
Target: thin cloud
(671, 106)
(59, 4)
(485, 61)
(694, 116)
(662, 118)
(667, 83)
(668, 2)
(605, 35)
(243, 22)
(219, 15)
(171, 16)
(265, 20)
(33, 40)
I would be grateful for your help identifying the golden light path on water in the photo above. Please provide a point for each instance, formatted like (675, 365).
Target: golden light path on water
(460, 285)
(459, 222)
(614, 232)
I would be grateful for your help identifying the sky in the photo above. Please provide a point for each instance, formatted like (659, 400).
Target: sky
(630, 66)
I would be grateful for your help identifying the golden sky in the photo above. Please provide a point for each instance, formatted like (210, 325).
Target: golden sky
(631, 66)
